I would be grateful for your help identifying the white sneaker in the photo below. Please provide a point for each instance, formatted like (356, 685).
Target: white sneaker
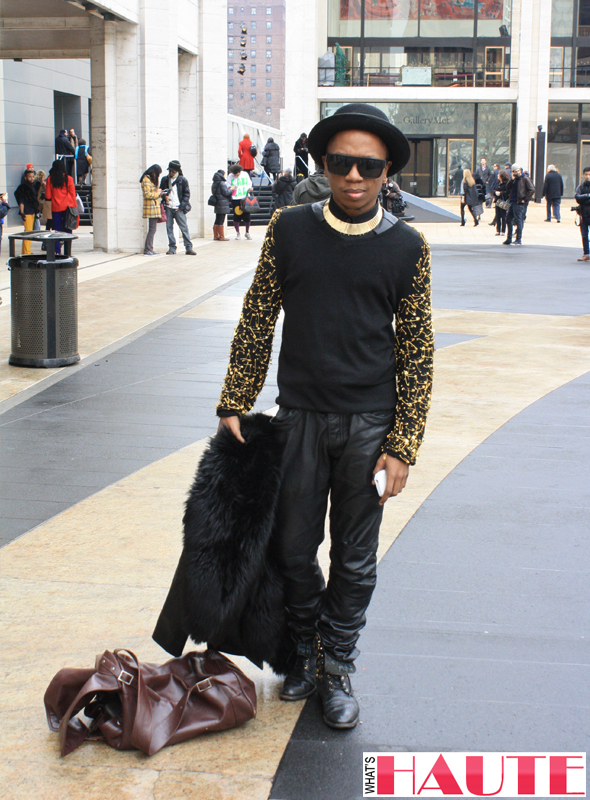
(248, 235)
(238, 236)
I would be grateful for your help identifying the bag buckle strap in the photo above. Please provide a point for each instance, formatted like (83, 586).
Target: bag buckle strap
(202, 686)
(125, 677)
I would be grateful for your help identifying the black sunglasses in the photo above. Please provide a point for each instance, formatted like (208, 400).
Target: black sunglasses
(367, 167)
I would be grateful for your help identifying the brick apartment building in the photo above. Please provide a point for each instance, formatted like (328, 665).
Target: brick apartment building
(258, 94)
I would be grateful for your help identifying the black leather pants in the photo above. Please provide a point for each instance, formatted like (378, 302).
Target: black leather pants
(329, 455)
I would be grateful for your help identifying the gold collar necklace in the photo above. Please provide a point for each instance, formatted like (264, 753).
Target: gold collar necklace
(352, 228)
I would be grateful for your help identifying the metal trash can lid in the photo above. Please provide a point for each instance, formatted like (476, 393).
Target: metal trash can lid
(43, 236)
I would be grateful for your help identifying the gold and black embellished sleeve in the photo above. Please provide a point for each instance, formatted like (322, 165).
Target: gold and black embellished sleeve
(414, 353)
(252, 343)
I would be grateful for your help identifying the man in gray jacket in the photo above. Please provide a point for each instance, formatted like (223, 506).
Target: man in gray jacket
(312, 189)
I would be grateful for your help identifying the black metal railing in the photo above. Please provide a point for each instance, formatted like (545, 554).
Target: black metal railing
(440, 76)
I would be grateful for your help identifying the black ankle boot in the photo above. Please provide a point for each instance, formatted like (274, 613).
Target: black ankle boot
(340, 707)
(339, 704)
(301, 682)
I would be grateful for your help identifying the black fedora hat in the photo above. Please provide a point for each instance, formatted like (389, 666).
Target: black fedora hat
(363, 117)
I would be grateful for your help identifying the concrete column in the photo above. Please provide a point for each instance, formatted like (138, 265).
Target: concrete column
(301, 110)
(3, 178)
(187, 129)
(534, 38)
(212, 99)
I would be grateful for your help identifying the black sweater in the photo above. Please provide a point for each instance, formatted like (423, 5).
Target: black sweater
(339, 351)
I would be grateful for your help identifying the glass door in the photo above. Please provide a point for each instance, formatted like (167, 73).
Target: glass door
(416, 176)
(585, 157)
(459, 157)
(493, 66)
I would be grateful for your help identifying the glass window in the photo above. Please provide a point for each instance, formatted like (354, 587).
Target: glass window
(269, 24)
(584, 18)
(253, 11)
(252, 67)
(230, 95)
(562, 17)
(230, 53)
(563, 123)
(447, 18)
(586, 121)
(391, 18)
(253, 40)
(230, 26)
(560, 67)
(230, 39)
(268, 96)
(230, 110)
(230, 82)
(268, 10)
(253, 53)
(253, 25)
(564, 157)
(268, 81)
(424, 118)
(230, 67)
(253, 96)
(230, 10)
(494, 18)
(269, 111)
(494, 126)
(583, 67)
(252, 81)
(241, 95)
(344, 18)
(269, 53)
(269, 68)
(269, 39)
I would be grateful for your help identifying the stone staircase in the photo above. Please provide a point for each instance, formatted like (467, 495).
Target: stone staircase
(264, 196)
(85, 193)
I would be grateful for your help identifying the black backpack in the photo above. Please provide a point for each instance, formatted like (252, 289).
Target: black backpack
(253, 150)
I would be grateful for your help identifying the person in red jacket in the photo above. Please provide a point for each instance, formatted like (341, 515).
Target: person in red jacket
(244, 154)
(61, 191)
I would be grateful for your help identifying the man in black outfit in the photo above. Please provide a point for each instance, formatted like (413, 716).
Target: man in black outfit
(520, 191)
(353, 393)
(583, 200)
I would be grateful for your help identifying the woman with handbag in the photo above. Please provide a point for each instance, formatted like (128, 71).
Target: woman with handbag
(151, 205)
(220, 194)
(502, 201)
(240, 185)
(60, 190)
(469, 197)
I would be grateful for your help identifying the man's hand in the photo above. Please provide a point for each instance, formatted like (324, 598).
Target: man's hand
(397, 475)
(233, 424)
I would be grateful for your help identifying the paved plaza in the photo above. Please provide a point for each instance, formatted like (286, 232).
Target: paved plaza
(477, 636)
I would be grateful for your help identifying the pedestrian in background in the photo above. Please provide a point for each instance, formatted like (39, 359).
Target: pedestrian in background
(63, 146)
(282, 189)
(60, 189)
(4, 209)
(176, 192)
(469, 197)
(39, 187)
(26, 197)
(151, 205)
(301, 156)
(73, 138)
(583, 201)
(245, 155)
(500, 193)
(271, 158)
(83, 161)
(240, 184)
(553, 192)
(486, 175)
(519, 191)
(312, 189)
(222, 194)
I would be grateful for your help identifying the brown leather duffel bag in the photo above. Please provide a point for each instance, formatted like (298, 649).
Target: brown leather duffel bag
(137, 706)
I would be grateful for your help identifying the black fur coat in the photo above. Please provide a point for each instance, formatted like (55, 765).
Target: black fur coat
(227, 589)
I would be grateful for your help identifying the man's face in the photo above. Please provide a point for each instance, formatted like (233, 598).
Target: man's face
(353, 193)
(72, 132)
(30, 177)
(172, 173)
(517, 172)
(483, 162)
(587, 175)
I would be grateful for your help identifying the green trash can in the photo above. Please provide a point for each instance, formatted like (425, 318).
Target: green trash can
(44, 302)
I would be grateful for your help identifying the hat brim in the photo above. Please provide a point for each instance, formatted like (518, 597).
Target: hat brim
(398, 147)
